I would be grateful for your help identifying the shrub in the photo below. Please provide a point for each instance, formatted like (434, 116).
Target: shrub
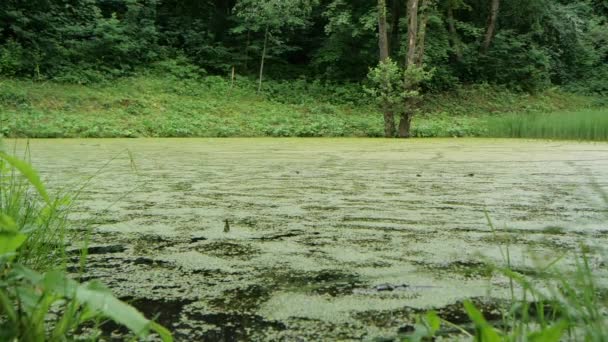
(11, 58)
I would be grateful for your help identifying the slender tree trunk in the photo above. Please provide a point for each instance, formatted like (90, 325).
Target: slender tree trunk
(495, 6)
(382, 31)
(453, 34)
(395, 36)
(412, 31)
(389, 116)
(405, 121)
(424, 18)
(263, 58)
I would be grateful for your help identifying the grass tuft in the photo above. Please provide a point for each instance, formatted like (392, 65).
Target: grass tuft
(580, 125)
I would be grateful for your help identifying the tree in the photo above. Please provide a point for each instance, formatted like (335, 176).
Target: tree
(494, 7)
(271, 17)
(397, 90)
(385, 74)
(456, 43)
(414, 70)
(382, 31)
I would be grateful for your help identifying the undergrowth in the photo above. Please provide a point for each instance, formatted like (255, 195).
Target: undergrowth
(192, 106)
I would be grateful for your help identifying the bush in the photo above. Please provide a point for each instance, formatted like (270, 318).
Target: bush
(178, 68)
(11, 59)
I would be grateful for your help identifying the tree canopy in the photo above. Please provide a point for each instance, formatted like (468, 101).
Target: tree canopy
(524, 44)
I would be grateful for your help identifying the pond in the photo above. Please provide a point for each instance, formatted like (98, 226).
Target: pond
(311, 239)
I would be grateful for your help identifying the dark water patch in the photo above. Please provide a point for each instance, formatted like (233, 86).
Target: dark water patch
(150, 262)
(227, 249)
(380, 219)
(141, 205)
(321, 207)
(166, 312)
(455, 313)
(250, 222)
(242, 299)
(554, 230)
(281, 236)
(99, 220)
(366, 227)
(384, 319)
(151, 242)
(402, 320)
(385, 288)
(327, 282)
(182, 186)
(233, 327)
(468, 269)
(197, 239)
(148, 218)
(98, 249)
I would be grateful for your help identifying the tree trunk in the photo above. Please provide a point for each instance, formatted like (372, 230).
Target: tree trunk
(382, 32)
(389, 124)
(424, 18)
(491, 26)
(389, 116)
(415, 53)
(263, 58)
(405, 124)
(395, 33)
(405, 120)
(453, 34)
(412, 31)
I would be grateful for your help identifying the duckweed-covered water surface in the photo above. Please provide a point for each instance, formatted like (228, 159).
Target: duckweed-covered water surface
(328, 239)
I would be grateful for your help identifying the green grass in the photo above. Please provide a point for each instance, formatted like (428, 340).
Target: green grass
(41, 218)
(165, 106)
(578, 125)
(558, 303)
(38, 301)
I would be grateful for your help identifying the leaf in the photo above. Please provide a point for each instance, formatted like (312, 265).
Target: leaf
(485, 330)
(29, 173)
(6, 308)
(552, 334)
(98, 298)
(7, 223)
(433, 321)
(10, 238)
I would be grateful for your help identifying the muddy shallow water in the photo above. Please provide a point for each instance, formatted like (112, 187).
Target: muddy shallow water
(329, 238)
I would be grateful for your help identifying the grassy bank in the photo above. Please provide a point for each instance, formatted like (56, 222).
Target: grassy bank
(154, 106)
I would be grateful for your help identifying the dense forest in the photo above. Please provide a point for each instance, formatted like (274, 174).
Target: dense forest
(526, 44)
(391, 51)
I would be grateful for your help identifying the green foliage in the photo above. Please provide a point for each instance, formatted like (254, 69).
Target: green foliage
(11, 58)
(256, 15)
(46, 305)
(179, 68)
(73, 41)
(210, 106)
(25, 202)
(393, 86)
(538, 43)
